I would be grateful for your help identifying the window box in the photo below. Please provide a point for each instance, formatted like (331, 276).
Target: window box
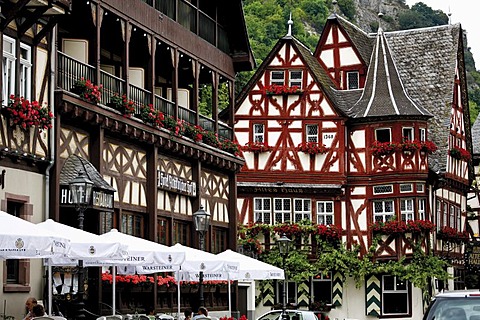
(276, 89)
(256, 147)
(460, 154)
(25, 114)
(312, 148)
(383, 148)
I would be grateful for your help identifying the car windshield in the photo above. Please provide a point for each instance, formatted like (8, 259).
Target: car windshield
(455, 308)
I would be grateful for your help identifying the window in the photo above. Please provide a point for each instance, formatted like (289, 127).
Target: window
(302, 209)
(459, 219)
(438, 213)
(219, 240)
(423, 134)
(181, 233)
(406, 209)
(311, 133)
(277, 77)
(383, 135)
(406, 187)
(395, 295)
(420, 187)
(322, 288)
(8, 79)
(291, 294)
(352, 80)
(282, 210)
(383, 210)
(162, 231)
(451, 212)
(421, 209)
(296, 78)
(262, 210)
(407, 134)
(25, 71)
(106, 222)
(16, 275)
(325, 212)
(132, 224)
(382, 189)
(258, 133)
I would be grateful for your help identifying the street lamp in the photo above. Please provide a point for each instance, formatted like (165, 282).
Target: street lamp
(201, 220)
(81, 189)
(283, 247)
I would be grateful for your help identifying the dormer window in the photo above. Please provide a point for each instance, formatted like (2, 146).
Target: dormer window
(296, 79)
(277, 77)
(352, 80)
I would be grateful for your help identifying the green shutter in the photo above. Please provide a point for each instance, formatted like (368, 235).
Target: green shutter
(373, 296)
(268, 294)
(303, 294)
(337, 294)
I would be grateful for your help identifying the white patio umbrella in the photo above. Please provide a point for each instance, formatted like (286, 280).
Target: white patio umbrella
(21, 239)
(252, 269)
(212, 266)
(83, 246)
(141, 253)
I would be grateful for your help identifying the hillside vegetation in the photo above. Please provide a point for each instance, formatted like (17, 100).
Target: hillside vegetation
(267, 22)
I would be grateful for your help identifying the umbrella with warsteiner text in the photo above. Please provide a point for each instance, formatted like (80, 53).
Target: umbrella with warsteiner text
(21, 239)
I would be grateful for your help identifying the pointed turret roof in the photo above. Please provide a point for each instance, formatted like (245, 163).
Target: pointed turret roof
(384, 93)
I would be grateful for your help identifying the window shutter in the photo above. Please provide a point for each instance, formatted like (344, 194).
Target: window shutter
(373, 296)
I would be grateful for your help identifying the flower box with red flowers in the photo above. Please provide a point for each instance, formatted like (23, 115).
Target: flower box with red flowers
(277, 89)
(428, 146)
(256, 147)
(410, 145)
(312, 148)
(450, 234)
(330, 232)
(383, 148)
(27, 114)
(389, 227)
(87, 90)
(460, 154)
(122, 104)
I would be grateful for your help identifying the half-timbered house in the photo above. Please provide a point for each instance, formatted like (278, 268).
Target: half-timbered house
(369, 134)
(136, 88)
(25, 146)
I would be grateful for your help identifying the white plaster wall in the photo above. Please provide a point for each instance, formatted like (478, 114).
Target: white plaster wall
(327, 58)
(32, 185)
(276, 61)
(348, 57)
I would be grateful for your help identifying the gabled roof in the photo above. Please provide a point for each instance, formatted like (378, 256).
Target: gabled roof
(316, 70)
(384, 93)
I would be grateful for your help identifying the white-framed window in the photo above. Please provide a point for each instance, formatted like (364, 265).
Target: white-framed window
(382, 189)
(459, 219)
(423, 134)
(296, 78)
(325, 212)
(445, 214)
(259, 132)
(407, 134)
(277, 77)
(438, 211)
(290, 295)
(395, 296)
(262, 210)
(352, 80)
(282, 210)
(452, 216)
(302, 209)
(383, 135)
(311, 133)
(25, 71)
(420, 187)
(322, 288)
(406, 209)
(383, 210)
(422, 213)
(406, 187)
(8, 77)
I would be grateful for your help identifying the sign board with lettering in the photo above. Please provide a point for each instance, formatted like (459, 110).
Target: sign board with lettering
(472, 256)
(169, 182)
(101, 199)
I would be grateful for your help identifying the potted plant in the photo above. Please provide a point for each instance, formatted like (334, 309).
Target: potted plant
(122, 104)
(460, 153)
(276, 89)
(230, 146)
(410, 146)
(27, 114)
(176, 126)
(312, 148)
(87, 90)
(211, 138)
(150, 116)
(193, 132)
(428, 147)
(383, 148)
(450, 234)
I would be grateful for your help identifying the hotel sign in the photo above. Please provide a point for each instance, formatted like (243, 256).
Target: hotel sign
(472, 256)
(176, 184)
(100, 199)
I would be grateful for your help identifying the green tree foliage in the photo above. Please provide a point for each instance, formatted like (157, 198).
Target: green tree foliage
(421, 16)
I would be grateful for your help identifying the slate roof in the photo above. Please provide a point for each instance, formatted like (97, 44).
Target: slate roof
(75, 164)
(425, 60)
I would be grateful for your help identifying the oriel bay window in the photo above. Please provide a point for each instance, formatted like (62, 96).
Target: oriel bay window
(302, 209)
(325, 212)
(383, 210)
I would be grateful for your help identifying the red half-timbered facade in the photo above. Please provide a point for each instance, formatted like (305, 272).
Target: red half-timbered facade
(352, 135)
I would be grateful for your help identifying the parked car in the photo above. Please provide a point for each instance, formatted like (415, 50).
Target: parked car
(458, 305)
(291, 315)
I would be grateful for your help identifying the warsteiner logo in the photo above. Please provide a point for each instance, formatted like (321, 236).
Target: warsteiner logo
(91, 250)
(169, 258)
(19, 243)
(202, 266)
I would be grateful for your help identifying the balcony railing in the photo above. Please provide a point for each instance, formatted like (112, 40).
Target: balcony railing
(71, 70)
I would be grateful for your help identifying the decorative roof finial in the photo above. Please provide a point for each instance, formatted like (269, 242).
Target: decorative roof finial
(290, 23)
(449, 16)
(380, 15)
(334, 2)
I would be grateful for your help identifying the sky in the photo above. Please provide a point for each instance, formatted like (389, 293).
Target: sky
(464, 12)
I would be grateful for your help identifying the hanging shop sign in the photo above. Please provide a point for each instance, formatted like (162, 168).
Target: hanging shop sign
(472, 256)
(100, 199)
(169, 182)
